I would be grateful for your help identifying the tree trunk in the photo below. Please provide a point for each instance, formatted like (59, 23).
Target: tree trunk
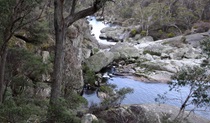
(61, 24)
(2, 72)
(59, 54)
(3, 57)
(60, 29)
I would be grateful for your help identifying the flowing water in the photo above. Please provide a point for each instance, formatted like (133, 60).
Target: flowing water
(143, 92)
(96, 30)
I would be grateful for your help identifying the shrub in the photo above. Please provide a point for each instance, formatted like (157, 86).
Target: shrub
(133, 32)
(197, 81)
(205, 45)
(170, 35)
(105, 89)
(143, 33)
(126, 12)
(63, 113)
(20, 109)
(88, 75)
(201, 26)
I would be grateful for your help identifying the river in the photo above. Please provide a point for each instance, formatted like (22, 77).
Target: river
(143, 92)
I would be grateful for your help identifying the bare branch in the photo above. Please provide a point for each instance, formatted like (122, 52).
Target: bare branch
(98, 4)
(73, 6)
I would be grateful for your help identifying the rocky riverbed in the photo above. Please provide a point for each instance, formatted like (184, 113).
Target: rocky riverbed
(153, 61)
(148, 61)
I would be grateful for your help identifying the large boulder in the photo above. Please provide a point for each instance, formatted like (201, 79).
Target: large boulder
(113, 33)
(146, 39)
(148, 113)
(99, 60)
(195, 39)
(163, 65)
(104, 58)
(125, 50)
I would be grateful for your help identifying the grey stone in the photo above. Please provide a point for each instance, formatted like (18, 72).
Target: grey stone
(99, 60)
(150, 113)
(125, 50)
(89, 118)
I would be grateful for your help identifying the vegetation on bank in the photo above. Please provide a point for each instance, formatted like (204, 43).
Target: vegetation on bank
(197, 80)
(161, 18)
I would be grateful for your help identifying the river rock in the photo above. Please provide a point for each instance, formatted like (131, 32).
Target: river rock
(148, 113)
(195, 39)
(125, 50)
(99, 60)
(146, 57)
(102, 95)
(159, 65)
(113, 33)
(89, 118)
(146, 39)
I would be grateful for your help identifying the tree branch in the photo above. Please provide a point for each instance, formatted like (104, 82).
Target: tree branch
(81, 14)
(73, 7)
(72, 17)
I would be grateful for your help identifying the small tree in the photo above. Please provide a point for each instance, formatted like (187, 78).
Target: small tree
(196, 79)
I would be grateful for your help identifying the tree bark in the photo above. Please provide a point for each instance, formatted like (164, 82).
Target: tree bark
(3, 57)
(59, 26)
(59, 54)
(2, 72)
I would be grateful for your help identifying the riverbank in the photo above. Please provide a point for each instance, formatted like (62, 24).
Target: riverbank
(145, 59)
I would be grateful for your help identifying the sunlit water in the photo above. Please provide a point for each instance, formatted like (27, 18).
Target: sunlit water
(97, 26)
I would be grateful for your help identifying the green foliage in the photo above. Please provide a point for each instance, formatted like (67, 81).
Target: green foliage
(170, 35)
(126, 12)
(27, 63)
(21, 109)
(133, 32)
(143, 33)
(113, 99)
(61, 113)
(88, 75)
(10, 9)
(95, 50)
(74, 101)
(38, 31)
(116, 99)
(160, 31)
(105, 89)
(195, 78)
(205, 45)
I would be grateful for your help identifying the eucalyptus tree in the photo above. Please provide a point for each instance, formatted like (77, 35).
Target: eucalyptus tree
(61, 24)
(197, 80)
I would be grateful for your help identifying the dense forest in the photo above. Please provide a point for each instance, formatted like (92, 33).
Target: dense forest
(44, 47)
